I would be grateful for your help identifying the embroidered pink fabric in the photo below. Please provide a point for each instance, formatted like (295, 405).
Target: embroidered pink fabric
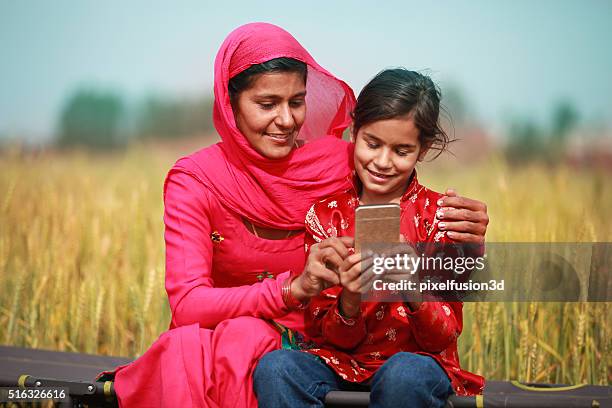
(275, 193)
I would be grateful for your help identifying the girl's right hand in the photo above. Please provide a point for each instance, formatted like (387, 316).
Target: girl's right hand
(356, 277)
(321, 269)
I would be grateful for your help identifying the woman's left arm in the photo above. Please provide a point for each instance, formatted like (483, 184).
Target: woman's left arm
(464, 219)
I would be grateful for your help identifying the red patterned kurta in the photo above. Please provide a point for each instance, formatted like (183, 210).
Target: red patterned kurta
(356, 348)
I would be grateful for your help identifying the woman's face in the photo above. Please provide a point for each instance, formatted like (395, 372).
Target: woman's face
(386, 152)
(271, 112)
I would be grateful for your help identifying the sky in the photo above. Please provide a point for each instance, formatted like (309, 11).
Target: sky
(509, 59)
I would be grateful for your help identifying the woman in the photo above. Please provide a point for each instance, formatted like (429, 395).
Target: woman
(234, 223)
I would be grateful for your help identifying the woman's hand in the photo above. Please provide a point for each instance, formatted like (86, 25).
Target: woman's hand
(320, 271)
(464, 219)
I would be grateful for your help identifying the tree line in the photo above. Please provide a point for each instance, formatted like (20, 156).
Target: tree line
(102, 119)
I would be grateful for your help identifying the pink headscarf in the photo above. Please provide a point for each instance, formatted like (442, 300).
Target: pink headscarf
(275, 193)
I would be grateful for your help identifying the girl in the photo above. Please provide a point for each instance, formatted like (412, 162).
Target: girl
(406, 352)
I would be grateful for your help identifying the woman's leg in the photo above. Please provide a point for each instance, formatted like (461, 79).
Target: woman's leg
(290, 378)
(410, 380)
(237, 346)
(193, 367)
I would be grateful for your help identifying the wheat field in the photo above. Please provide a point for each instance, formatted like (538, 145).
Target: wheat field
(82, 258)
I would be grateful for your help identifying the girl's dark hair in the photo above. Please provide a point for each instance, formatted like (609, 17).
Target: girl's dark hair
(244, 80)
(399, 92)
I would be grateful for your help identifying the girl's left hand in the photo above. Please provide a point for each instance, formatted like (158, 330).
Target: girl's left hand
(464, 219)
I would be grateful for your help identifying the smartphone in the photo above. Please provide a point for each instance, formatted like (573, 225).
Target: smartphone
(375, 224)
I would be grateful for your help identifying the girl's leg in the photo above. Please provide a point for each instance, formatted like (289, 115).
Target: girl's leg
(290, 378)
(410, 380)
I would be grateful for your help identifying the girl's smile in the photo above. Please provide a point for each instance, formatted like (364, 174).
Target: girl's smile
(379, 177)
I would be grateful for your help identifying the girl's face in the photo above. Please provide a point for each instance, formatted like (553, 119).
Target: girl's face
(386, 152)
(271, 112)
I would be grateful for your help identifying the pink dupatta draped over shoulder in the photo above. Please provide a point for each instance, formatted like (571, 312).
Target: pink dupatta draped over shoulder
(193, 366)
(275, 193)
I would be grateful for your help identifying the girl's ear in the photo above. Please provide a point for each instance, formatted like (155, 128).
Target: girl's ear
(423, 153)
(351, 129)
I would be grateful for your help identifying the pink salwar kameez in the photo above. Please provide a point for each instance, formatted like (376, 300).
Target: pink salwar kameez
(223, 282)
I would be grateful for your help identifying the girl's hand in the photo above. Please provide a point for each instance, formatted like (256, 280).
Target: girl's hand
(464, 219)
(320, 271)
(356, 277)
(394, 275)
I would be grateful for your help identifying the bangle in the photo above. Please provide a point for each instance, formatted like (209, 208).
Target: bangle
(290, 301)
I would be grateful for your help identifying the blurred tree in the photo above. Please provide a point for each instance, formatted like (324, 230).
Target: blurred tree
(455, 104)
(564, 120)
(164, 117)
(527, 141)
(91, 118)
